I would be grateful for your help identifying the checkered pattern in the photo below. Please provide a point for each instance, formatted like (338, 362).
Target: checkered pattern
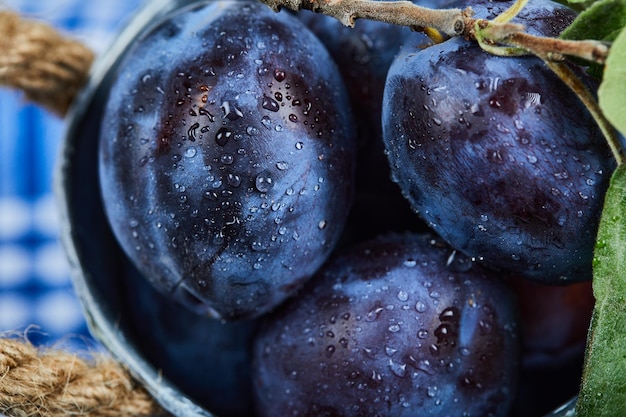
(35, 288)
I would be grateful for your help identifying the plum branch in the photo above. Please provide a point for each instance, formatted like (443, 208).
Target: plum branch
(453, 22)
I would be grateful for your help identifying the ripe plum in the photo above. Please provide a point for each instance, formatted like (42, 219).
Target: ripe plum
(398, 326)
(227, 156)
(497, 154)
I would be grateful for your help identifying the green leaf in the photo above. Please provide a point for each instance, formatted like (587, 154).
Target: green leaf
(612, 91)
(603, 388)
(577, 3)
(602, 21)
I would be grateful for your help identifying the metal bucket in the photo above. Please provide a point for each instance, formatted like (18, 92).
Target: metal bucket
(100, 271)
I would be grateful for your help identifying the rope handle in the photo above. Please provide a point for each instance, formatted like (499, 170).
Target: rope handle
(47, 67)
(54, 383)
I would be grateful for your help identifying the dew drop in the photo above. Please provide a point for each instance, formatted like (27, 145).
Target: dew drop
(204, 112)
(234, 180)
(227, 159)
(449, 314)
(265, 121)
(398, 369)
(222, 136)
(410, 263)
(192, 132)
(373, 314)
(279, 75)
(376, 379)
(330, 350)
(270, 104)
(264, 182)
(191, 152)
(394, 328)
(282, 165)
(403, 296)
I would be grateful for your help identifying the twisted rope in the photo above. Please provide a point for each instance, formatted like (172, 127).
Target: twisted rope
(46, 66)
(51, 383)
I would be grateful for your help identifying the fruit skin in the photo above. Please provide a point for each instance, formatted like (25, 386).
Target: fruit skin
(227, 157)
(388, 329)
(498, 156)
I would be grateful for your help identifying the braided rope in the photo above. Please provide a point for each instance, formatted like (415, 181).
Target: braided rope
(47, 67)
(51, 383)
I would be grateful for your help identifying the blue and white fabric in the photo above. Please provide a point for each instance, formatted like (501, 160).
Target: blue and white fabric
(36, 293)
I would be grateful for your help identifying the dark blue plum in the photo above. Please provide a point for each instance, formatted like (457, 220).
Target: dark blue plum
(398, 326)
(363, 54)
(207, 360)
(227, 157)
(497, 154)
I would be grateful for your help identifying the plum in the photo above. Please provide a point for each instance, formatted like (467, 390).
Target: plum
(227, 153)
(363, 55)
(497, 154)
(400, 325)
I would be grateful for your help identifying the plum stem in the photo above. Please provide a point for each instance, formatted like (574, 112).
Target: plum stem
(552, 49)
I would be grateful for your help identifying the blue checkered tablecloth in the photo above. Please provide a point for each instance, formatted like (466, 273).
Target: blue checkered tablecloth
(35, 288)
